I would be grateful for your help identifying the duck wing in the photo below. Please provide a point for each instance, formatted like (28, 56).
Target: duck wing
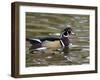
(33, 41)
(41, 39)
(49, 39)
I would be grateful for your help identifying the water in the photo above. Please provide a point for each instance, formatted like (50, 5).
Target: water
(43, 24)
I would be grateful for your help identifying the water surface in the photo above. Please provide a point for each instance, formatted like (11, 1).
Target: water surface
(51, 25)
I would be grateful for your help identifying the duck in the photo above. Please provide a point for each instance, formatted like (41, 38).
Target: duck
(52, 42)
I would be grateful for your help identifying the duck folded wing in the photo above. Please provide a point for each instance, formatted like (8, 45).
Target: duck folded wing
(33, 41)
(48, 39)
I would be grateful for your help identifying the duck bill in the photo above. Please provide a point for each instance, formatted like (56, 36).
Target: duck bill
(73, 33)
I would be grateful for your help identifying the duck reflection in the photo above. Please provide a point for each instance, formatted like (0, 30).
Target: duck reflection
(65, 51)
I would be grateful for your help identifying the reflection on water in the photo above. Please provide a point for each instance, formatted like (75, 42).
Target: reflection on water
(40, 25)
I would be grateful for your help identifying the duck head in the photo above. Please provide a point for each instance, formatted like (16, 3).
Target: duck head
(65, 37)
(67, 31)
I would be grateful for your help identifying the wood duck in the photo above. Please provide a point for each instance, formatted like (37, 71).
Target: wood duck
(52, 42)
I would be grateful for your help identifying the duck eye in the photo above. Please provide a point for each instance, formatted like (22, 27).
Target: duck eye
(69, 32)
(65, 33)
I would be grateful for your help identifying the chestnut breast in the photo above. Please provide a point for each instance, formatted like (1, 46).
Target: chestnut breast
(65, 41)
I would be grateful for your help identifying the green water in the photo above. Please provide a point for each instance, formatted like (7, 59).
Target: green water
(43, 24)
